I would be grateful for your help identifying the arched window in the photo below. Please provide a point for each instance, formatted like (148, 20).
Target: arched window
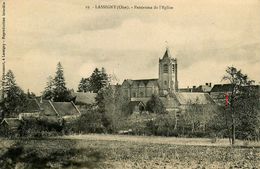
(165, 82)
(165, 68)
(173, 68)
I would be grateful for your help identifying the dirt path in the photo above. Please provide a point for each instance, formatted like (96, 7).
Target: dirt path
(161, 140)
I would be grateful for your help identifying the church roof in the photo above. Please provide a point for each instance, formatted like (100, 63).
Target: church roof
(145, 81)
(168, 102)
(167, 53)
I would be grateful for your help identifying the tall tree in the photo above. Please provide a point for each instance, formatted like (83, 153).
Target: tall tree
(240, 82)
(84, 85)
(112, 104)
(48, 92)
(98, 80)
(60, 92)
(15, 98)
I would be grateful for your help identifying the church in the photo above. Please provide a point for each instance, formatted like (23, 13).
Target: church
(165, 86)
(166, 83)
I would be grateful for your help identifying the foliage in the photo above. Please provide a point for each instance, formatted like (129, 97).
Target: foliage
(155, 105)
(163, 125)
(40, 127)
(196, 117)
(48, 92)
(61, 93)
(98, 80)
(241, 110)
(56, 89)
(15, 97)
(84, 85)
(112, 105)
(88, 122)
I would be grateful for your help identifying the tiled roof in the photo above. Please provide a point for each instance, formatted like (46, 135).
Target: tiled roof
(47, 108)
(50, 108)
(11, 122)
(65, 108)
(169, 102)
(222, 88)
(85, 98)
(145, 81)
(202, 88)
(185, 98)
(32, 105)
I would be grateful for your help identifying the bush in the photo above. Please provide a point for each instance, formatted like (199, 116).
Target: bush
(41, 127)
(90, 121)
(155, 105)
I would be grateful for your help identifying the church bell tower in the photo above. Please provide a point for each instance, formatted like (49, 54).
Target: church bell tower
(168, 80)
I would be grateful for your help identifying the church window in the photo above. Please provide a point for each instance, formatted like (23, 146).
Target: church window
(141, 94)
(165, 68)
(165, 82)
(173, 68)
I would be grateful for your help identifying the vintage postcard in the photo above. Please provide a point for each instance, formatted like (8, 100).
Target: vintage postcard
(130, 84)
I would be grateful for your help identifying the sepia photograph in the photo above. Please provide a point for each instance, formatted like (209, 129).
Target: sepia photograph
(130, 84)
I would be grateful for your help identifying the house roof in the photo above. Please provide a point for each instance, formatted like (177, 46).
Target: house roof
(202, 88)
(85, 98)
(185, 98)
(12, 122)
(222, 88)
(136, 103)
(65, 108)
(32, 105)
(50, 108)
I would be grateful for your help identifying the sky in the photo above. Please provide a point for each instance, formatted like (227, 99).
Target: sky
(205, 36)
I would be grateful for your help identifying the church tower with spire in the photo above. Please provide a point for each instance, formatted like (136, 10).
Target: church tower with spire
(168, 80)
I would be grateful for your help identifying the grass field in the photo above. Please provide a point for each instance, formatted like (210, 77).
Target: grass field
(114, 151)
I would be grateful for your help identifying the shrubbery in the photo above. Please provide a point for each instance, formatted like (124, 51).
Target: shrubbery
(89, 122)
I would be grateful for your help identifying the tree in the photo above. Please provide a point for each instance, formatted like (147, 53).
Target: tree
(192, 113)
(15, 98)
(84, 85)
(60, 92)
(48, 93)
(30, 95)
(239, 97)
(98, 80)
(155, 105)
(112, 104)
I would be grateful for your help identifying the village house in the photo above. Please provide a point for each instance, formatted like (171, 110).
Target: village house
(84, 98)
(36, 108)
